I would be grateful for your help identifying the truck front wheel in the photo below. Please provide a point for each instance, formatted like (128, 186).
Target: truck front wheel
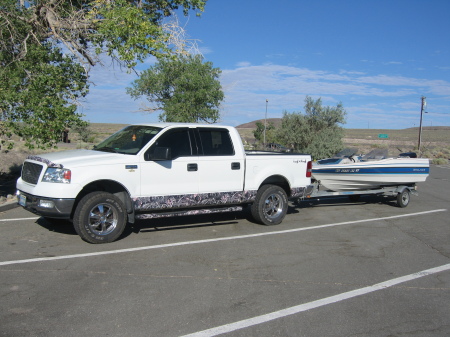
(100, 217)
(270, 206)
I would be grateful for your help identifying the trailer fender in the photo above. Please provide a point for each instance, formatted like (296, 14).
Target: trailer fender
(411, 189)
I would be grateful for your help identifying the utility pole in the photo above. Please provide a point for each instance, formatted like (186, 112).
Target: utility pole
(424, 104)
(265, 124)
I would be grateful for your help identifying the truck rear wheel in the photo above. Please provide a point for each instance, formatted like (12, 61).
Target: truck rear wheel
(270, 206)
(100, 217)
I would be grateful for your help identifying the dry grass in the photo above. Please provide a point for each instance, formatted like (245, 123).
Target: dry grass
(435, 142)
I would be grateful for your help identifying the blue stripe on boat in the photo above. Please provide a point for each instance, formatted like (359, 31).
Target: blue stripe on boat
(377, 170)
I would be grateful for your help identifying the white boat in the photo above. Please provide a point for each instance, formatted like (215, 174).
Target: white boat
(372, 171)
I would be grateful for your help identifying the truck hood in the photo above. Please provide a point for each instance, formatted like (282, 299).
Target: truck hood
(77, 158)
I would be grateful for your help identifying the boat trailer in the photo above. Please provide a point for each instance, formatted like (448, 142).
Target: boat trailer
(402, 193)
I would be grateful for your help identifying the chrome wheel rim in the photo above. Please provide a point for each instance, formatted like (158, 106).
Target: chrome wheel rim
(102, 219)
(273, 206)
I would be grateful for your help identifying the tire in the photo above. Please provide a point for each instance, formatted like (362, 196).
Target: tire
(100, 217)
(270, 206)
(403, 198)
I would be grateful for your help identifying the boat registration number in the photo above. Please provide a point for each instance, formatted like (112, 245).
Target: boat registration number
(347, 170)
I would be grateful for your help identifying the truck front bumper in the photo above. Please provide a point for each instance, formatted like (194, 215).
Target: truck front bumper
(46, 207)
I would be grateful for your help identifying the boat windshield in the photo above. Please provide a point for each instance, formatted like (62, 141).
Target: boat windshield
(376, 154)
(348, 152)
(129, 140)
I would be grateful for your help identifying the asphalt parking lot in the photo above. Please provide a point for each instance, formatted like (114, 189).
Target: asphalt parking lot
(332, 268)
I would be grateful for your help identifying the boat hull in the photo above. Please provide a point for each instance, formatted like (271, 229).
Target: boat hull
(372, 174)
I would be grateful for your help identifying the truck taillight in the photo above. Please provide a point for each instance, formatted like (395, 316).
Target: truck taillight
(308, 169)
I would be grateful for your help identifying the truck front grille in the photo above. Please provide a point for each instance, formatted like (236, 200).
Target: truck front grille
(31, 172)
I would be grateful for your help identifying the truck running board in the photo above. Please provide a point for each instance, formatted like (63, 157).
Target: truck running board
(188, 212)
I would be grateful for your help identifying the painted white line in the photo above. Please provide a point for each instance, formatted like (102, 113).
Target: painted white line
(18, 219)
(185, 243)
(315, 304)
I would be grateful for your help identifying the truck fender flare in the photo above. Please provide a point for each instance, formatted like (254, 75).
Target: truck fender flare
(278, 180)
(113, 187)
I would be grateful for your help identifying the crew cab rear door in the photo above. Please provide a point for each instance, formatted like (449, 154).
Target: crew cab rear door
(219, 166)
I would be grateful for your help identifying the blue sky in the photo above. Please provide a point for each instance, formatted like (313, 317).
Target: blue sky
(377, 57)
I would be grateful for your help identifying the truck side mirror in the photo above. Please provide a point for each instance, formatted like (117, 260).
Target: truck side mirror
(159, 153)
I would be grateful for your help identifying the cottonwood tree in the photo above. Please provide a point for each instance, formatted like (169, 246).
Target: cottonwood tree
(127, 30)
(35, 95)
(48, 46)
(185, 89)
(318, 131)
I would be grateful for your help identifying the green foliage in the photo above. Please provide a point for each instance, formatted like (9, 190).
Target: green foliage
(40, 86)
(185, 88)
(35, 95)
(127, 30)
(270, 132)
(316, 132)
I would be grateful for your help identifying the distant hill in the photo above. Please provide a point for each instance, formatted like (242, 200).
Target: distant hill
(277, 122)
(252, 125)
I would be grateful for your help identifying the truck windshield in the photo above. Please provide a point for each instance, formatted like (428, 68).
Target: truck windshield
(129, 140)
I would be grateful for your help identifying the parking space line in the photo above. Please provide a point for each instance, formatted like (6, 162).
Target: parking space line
(315, 304)
(228, 238)
(18, 219)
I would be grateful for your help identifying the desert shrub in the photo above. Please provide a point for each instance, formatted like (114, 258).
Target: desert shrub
(318, 131)
(446, 152)
(439, 161)
(427, 154)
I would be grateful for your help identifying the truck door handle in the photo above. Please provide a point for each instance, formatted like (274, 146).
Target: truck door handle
(192, 167)
(235, 166)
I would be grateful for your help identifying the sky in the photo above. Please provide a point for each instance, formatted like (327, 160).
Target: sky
(377, 57)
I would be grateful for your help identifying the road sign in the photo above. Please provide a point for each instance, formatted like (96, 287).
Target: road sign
(383, 135)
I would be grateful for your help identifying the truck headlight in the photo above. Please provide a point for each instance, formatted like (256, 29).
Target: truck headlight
(57, 175)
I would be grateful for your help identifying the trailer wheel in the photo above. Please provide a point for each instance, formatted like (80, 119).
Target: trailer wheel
(403, 198)
(270, 206)
(100, 217)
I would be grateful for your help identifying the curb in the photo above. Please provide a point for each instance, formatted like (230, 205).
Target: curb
(8, 205)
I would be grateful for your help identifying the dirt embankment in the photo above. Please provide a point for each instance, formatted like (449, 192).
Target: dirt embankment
(10, 167)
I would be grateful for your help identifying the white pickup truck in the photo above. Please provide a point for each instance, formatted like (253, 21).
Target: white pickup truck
(160, 170)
